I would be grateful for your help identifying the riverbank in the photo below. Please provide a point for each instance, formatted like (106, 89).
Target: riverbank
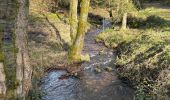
(143, 52)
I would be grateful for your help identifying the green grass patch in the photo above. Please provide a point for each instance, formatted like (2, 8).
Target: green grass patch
(53, 16)
(143, 53)
(143, 60)
(111, 38)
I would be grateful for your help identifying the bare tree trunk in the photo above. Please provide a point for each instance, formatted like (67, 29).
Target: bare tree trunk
(73, 19)
(124, 21)
(24, 69)
(77, 47)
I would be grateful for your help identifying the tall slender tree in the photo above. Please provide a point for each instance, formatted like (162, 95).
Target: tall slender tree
(73, 19)
(8, 15)
(2, 73)
(120, 10)
(124, 21)
(23, 70)
(77, 46)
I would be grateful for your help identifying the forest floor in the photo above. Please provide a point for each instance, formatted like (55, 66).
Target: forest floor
(49, 52)
(46, 50)
(143, 47)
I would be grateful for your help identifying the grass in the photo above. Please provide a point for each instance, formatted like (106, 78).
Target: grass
(112, 38)
(45, 49)
(143, 53)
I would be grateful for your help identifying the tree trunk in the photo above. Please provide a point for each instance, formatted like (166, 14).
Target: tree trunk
(23, 70)
(2, 72)
(9, 12)
(73, 19)
(124, 21)
(77, 47)
(2, 80)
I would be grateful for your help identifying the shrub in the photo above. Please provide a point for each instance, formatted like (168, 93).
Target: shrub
(166, 3)
(150, 22)
(155, 21)
(134, 22)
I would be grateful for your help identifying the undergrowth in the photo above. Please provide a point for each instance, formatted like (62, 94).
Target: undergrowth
(143, 53)
(144, 62)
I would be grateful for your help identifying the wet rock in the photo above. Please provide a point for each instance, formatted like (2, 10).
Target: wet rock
(97, 70)
(109, 69)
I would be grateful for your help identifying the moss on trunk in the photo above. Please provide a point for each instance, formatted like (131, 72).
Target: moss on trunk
(73, 19)
(77, 46)
(23, 67)
(7, 46)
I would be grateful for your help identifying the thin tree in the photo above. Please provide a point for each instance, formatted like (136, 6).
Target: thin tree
(124, 21)
(23, 70)
(77, 46)
(73, 19)
(127, 7)
(120, 10)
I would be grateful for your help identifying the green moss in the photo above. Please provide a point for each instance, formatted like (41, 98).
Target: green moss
(52, 16)
(85, 57)
(35, 17)
(167, 55)
(1, 96)
(1, 57)
(16, 50)
(9, 56)
(2, 27)
(10, 95)
(72, 57)
(10, 81)
(13, 8)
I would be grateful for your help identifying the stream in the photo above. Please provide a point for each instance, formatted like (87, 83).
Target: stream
(96, 83)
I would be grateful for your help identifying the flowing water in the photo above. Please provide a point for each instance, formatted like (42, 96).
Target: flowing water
(96, 83)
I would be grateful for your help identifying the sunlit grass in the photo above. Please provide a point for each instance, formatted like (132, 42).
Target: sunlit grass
(163, 13)
(143, 52)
